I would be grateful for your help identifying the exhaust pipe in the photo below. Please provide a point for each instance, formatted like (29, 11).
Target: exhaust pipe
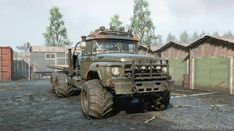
(83, 38)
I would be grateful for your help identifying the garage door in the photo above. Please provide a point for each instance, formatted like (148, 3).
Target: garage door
(178, 67)
(212, 73)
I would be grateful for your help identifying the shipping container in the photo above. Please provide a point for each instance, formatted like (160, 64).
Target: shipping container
(5, 63)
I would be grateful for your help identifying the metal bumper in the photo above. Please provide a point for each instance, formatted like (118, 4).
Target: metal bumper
(124, 86)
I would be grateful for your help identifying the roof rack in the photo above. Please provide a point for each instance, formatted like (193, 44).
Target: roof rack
(112, 31)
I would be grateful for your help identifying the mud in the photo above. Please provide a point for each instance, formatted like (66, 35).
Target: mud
(28, 105)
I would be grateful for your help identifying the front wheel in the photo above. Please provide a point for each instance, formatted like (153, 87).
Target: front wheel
(162, 101)
(157, 102)
(96, 101)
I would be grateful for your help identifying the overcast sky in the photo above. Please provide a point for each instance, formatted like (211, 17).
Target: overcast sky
(25, 20)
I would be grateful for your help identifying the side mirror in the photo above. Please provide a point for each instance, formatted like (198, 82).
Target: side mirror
(82, 44)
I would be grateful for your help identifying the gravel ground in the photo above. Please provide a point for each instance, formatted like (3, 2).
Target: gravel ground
(28, 105)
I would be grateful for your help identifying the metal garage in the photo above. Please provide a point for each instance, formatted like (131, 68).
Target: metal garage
(211, 64)
(212, 73)
(178, 67)
(178, 57)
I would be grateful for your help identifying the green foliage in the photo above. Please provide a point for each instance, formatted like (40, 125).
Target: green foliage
(184, 37)
(115, 22)
(203, 33)
(228, 35)
(141, 23)
(216, 34)
(170, 38)
(195, 37)
(56, 33)
(159, 40)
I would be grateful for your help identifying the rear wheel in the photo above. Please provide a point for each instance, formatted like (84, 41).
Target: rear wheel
(62, 87)
(96, 101)
(52, 82)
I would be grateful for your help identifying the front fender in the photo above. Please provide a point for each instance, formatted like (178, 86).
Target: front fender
(103, 69)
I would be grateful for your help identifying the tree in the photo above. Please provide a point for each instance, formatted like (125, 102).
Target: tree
(56, 33)
(203, 33)
(170, 38)
(216, 34)
(195, 37)
(228, 35)
(141, 23)
(184, 37)
(115, 22)
(159, 40)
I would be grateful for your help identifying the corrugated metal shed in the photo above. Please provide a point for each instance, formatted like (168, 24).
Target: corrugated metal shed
(143, 49)
(155, 47)
(215, 40)
(5, 63)
(178, 55)
(211, 64)
(177, 45)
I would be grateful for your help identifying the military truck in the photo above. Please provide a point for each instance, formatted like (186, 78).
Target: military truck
(109, 69)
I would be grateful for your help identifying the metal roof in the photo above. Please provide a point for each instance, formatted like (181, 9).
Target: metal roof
(179, 44)
(227, 41)
(153, 48)
(48, 49)
(111, 37)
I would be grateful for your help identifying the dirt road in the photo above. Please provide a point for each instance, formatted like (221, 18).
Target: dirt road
(28, 105)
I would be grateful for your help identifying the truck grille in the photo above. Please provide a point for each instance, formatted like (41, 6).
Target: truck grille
(145, 72)
(147, 76)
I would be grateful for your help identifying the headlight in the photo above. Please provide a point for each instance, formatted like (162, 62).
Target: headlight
(164, 69)
(164, 62)
(136, 68)
(115, 71)
(158, 67)
(143, 67)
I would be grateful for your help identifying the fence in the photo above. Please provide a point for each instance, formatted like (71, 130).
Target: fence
(21, 66)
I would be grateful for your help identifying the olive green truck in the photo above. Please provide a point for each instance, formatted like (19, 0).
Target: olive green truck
(110, 68)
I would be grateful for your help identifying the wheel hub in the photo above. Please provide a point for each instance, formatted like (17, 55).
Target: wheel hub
(84, 101)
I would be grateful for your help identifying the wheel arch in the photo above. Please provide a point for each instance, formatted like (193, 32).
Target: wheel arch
(94, 74)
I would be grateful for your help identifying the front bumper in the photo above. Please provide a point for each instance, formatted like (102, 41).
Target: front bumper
(124, 86)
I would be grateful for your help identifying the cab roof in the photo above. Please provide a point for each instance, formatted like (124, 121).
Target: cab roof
(112, 33)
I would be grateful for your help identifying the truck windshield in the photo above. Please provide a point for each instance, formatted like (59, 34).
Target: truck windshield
(114, 46)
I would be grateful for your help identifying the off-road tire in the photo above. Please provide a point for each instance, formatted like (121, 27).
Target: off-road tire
(162, 100)
(96, 101)
(62, 88)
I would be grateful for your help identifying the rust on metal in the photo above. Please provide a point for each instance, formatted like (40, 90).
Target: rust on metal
(5, 63)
